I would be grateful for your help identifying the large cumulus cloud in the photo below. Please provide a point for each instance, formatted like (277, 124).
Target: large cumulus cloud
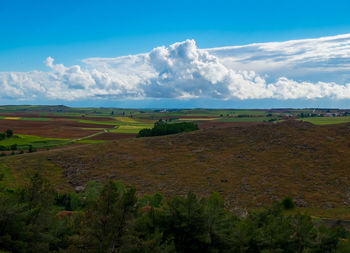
(182, 70)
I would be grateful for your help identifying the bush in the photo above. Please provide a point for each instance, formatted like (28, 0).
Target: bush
(288, 203)
(9, 133)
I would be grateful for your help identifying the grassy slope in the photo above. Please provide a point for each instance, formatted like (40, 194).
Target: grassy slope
(250, 166)
(18, 169)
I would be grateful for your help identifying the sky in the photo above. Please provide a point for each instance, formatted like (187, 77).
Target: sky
(175, 54)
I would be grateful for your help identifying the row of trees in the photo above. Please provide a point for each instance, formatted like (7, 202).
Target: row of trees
(111, 218)
(15, 147)
(163, 128)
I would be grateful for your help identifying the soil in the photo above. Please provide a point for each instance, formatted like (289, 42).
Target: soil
(55, 128)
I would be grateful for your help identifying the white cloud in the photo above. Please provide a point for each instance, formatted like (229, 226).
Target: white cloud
(322, 59)
(268, 70)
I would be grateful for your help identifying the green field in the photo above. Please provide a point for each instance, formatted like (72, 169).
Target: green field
(90, 141)
(36, 119)
(130, 129)
(23, 141)
(327, 120)
(149, 114)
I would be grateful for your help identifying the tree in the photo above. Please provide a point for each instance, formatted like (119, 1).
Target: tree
(186, 223)
(9, 133)
(105, 222)
(162, 128)
(27, 218)
(219, 223)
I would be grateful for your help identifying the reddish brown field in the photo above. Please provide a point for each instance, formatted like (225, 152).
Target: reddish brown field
(53, 116)
(219, 124)
(112, 136)
(55, 128)
(198, 117)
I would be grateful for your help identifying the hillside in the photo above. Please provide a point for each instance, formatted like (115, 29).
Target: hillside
(249, 165)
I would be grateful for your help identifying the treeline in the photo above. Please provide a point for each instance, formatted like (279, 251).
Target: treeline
(162, 128)
(21, 149)
(111, 218)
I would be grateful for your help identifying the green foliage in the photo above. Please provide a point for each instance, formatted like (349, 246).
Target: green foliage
(111, 219)
(27, 219)
(151, 200)
(7, 134)
(105, 222)
(288, 203)
(22, 142)
(92, 192)
(161, 128)
(74, 201)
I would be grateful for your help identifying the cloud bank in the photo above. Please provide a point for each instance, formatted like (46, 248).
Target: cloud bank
(301, 69)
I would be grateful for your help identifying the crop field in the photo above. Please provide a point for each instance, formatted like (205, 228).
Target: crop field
(130, 129)
(23, 141)
(46, 130)
(22, 118)
(327, 120)
(246, 119)
(53, 126)
(95, 122)
(198, 113)
(196, 119)
(113, 136)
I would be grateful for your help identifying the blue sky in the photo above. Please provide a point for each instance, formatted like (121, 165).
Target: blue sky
(74, 31)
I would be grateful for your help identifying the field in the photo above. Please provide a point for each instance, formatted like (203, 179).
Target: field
(23, 141)
(50, 124)
(327, 120)
(251, 157)
(250, 165)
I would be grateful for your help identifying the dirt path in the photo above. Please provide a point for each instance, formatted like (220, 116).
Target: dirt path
(106, 130)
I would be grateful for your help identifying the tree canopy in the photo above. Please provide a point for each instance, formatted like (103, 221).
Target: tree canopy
(111, 218)
(161, 128)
